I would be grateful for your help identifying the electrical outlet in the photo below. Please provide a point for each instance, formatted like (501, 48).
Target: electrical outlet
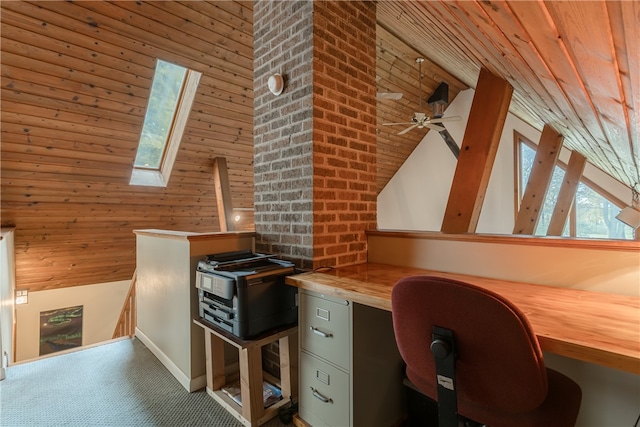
(22, 297)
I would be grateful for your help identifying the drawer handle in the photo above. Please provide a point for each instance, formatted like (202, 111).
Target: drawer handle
(317, 394)
(319, 332)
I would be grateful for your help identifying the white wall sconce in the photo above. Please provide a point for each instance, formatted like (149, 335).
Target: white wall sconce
(276, 84)
(241, 214)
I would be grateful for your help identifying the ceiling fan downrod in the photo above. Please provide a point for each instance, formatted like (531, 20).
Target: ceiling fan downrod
(419, 61)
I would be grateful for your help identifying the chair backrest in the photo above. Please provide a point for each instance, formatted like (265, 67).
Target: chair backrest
(499, 361)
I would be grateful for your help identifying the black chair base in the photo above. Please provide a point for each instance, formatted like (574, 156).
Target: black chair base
(423, 411)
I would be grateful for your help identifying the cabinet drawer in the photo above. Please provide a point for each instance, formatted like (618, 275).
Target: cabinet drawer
(325, 328)
(324, 392)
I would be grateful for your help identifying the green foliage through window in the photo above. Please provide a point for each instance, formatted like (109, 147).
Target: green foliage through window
(595, 215)
(166, 90)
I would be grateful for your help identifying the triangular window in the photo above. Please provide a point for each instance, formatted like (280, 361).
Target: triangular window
(593, 214)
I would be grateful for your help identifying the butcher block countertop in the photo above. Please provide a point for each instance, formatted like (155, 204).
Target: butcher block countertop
(598, 328)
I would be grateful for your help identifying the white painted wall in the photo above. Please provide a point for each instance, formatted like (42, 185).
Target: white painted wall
(167, 298)
(101, 303)
(586, 268)
(7, 290)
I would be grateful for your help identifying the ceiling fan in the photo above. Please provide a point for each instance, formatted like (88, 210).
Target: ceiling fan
(421, 120)
(388, 95)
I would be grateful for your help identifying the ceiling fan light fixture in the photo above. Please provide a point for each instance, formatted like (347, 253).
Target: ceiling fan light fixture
(389, 95)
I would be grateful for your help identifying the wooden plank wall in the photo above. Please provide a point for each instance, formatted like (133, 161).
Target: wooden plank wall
(75, 82)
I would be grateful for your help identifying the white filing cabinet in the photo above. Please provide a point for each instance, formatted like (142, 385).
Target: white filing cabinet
(350, 368)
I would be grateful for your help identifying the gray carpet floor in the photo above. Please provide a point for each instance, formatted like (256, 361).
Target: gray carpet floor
(118, 384)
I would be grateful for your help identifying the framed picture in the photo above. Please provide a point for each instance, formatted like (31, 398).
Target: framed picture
(60, 329)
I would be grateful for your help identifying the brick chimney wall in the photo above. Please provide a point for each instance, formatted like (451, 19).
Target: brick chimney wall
(344, 131)
(283, 137)
(315, 144)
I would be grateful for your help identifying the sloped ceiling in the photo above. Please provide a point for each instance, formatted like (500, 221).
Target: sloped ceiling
(573, 65)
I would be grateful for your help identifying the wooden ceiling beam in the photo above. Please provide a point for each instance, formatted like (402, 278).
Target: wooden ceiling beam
(223, 194)
(477, 154)
(567, 193)
(541, 173)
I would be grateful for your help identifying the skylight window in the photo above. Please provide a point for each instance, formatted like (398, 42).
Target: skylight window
(172, 94)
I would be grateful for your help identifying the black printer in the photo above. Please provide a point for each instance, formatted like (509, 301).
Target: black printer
(244, 292)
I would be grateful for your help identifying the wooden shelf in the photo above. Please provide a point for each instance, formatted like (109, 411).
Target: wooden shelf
(236, 410)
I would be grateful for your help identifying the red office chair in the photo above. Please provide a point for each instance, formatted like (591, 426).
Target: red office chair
(476, 354)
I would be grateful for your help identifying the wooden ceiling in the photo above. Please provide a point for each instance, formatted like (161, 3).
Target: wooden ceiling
(573, 64)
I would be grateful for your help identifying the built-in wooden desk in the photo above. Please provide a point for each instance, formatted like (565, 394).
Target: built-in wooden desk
(598, 328)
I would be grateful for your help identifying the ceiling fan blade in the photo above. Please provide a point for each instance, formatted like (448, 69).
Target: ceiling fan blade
(389, 95)
(445, 119)
(393, 124)
(406, 130)
(434, 127)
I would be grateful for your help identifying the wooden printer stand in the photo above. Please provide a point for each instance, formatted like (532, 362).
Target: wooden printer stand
(252, 412)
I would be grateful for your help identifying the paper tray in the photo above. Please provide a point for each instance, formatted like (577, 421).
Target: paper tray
(270, 393)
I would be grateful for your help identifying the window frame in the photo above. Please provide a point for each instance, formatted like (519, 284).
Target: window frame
(159, 177)
(518, 139)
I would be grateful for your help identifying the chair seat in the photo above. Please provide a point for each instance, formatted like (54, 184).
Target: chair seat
(559, 409)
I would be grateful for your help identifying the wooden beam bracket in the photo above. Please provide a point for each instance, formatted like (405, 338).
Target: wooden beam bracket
(223, 194)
